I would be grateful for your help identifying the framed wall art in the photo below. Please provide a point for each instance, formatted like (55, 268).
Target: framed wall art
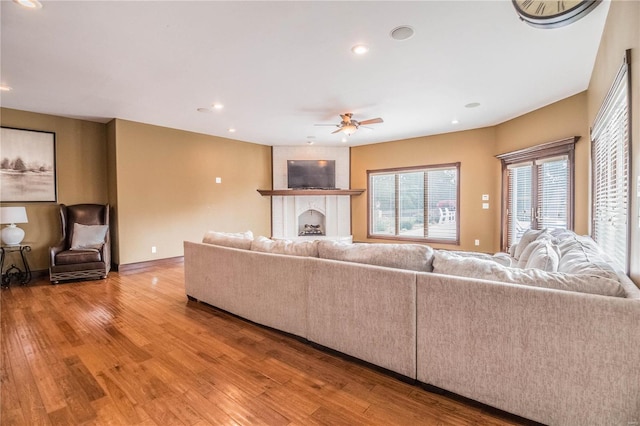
(27, 166)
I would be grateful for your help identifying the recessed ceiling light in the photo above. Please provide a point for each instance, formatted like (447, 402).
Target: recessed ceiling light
(454, 121)
(472, 105)
(402, 32)
(344, 140)
(4, 88)
(309, 142)
(232, 130)
(217, 106)
(29, 4)
(360, 49)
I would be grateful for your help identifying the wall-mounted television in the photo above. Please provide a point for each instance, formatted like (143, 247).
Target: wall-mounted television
(311, 174)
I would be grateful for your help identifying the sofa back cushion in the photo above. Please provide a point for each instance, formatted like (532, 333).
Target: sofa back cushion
(413, 257)
(240, 240)
(292, 248)
(450, 264)
(541, 254)
(527, 238)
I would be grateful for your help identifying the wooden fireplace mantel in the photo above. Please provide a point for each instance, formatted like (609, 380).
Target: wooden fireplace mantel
(314, 192)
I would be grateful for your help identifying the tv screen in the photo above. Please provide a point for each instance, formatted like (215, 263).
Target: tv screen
(311, 174)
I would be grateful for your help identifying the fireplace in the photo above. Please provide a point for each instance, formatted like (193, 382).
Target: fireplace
(311, 222)
(310, 217)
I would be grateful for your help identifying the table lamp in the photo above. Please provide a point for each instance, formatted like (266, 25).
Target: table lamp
(11, 234)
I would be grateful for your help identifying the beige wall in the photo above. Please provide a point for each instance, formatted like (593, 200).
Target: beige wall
(559, 120)
(166, 190)
(81, 174)
(479, 169)
(622, 32)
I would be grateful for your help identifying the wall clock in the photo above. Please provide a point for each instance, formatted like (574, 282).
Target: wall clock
(553, 14)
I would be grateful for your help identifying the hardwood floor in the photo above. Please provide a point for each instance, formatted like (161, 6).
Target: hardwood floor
(131, 350)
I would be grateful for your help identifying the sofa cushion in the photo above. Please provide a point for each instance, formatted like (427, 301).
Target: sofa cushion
(528, 237)
(88, 236)
(450, 264)
(580, 254)
(413, 257)
(292, 248)
(240, 240)
(544, 256)
(74, 257)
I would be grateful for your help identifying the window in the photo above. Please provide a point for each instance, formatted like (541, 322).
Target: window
(538, 192)
(610, 171)
(417, 203)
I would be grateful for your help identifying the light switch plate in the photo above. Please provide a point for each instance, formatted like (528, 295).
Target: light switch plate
(218, 180)
(485, 197)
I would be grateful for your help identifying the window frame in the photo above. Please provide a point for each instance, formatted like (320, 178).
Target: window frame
(536, 153)
(399, 170)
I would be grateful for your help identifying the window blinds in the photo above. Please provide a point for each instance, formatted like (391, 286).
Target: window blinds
(610, 172)
(418, 203)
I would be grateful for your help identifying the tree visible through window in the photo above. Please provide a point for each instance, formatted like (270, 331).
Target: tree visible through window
(418, 203)
(538, 193)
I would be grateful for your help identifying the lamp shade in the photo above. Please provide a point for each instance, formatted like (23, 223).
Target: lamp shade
(13, 215)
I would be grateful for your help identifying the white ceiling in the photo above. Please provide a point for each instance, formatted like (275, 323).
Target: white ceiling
(281, 67)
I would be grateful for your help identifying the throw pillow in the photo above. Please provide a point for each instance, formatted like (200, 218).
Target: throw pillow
(446, 263)
(240, 240)
(292, 248)
(528, 237)
(545, 257)
(538, 246)
(88, 237)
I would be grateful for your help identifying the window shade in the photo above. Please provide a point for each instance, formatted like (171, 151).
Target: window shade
(610, 172)
(553, 187)
(520, 206)
(417, 203)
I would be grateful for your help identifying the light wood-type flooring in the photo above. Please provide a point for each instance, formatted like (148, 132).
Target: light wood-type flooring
(132, 350)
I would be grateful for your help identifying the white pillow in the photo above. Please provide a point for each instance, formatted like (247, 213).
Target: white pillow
(528, 237)
(545, 257)
(88, 236)
(240, 240)
(449, 264)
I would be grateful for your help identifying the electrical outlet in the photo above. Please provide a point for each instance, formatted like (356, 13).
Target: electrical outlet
(485, 206)
(218, 180)
(477, 242)
(153, 249)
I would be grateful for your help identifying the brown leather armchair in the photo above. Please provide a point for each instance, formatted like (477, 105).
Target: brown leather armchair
(90, 262)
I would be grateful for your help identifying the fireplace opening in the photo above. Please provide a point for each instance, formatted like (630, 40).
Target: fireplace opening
(311, 222)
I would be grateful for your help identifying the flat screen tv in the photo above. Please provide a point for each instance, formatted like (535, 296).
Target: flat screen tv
(311, 174)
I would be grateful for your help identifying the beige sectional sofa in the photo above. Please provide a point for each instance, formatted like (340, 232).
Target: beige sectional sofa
(550, 355)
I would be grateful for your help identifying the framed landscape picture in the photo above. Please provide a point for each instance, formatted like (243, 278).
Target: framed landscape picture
(27, 166)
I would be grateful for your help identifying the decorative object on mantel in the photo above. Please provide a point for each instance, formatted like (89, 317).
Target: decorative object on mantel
(294, 192)
(11, 234)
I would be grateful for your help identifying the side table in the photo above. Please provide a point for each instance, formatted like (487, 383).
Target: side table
(13, 272)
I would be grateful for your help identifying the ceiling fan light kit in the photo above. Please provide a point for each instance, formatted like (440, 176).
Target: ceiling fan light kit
(349, 126)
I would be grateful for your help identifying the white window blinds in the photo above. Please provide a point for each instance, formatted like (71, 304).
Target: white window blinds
(610, 171)
(417, 203)
(538, 186)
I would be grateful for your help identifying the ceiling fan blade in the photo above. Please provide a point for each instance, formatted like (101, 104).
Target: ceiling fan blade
(372, 121)
(333, 125)
(337, 131)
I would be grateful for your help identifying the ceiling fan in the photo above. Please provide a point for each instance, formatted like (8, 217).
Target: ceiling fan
(349, 125)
